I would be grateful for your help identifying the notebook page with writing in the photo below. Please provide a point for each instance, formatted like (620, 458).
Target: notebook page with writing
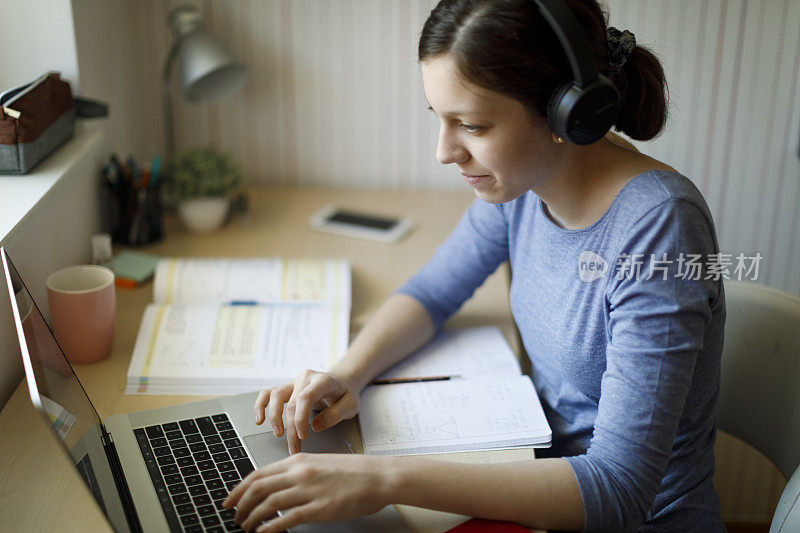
(455, 415)
(481, 351)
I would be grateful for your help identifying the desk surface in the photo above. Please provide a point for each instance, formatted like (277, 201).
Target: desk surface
(38, 487)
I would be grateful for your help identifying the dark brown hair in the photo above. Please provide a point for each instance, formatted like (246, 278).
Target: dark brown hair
(508, 47)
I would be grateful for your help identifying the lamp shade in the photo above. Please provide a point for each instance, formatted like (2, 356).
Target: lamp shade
(207, 69)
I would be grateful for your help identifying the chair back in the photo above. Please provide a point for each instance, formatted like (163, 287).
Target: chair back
(787, 515)
(759, 398)
(760, 383)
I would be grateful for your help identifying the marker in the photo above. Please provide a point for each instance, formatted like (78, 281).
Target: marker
(392, 381)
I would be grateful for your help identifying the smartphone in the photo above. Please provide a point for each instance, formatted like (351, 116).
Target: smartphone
(332, 219)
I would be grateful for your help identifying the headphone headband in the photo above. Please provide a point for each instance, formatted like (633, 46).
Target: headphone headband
(583, 110)
(573, 40)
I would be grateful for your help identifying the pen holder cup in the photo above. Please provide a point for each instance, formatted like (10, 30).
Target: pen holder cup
(132, 214)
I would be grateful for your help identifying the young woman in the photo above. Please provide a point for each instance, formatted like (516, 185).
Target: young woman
(626, 364)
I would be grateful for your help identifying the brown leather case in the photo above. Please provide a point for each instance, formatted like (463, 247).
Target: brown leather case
(35, 123)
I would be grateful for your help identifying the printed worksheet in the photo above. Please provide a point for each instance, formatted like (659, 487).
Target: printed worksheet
(222, 326)
(259, 280)
(211, 349)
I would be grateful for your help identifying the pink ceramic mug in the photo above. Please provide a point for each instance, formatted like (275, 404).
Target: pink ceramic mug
(82, 311)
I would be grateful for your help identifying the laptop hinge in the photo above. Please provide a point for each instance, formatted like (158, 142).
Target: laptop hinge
(122, 484)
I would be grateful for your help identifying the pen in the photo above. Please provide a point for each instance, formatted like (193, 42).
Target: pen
(391, 381)
(121, 172)
(135, 236)
(243, 302)
(154, 169)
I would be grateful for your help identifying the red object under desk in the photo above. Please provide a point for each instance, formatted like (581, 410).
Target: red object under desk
(479, 525)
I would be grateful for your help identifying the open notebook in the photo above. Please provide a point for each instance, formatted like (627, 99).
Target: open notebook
(490, 404)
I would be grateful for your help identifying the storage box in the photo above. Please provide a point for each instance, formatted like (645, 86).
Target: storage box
(35, 119)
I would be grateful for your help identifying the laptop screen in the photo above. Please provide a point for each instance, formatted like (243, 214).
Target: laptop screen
(54, 389)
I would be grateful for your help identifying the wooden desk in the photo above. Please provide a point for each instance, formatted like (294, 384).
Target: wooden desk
(39, 489)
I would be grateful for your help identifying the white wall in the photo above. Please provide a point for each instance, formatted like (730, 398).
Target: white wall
(37, 37)
(334, 95)
(733, 69)
(110, 46)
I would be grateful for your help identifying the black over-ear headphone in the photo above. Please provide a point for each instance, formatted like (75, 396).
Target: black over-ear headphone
(583, 110)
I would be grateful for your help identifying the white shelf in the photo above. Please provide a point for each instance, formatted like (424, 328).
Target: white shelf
(20, 194)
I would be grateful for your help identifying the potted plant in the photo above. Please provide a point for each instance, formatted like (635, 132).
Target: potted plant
(201, 181)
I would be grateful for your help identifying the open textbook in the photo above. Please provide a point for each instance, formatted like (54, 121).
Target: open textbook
(487, 403)
(224, 326)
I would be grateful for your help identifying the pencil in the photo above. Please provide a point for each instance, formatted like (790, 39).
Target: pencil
(390, 381)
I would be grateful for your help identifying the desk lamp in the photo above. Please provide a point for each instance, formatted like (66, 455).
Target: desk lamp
(208, 70)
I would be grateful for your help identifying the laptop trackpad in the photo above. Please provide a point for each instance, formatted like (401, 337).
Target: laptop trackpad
(266, 449)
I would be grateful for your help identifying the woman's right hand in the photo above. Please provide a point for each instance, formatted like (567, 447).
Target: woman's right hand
(333, 395)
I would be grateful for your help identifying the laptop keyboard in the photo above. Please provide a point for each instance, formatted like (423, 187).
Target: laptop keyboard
(194, 464)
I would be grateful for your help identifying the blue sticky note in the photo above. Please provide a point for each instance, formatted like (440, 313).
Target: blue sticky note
(135, 266)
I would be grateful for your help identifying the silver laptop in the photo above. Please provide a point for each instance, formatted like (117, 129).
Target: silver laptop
(162, 469)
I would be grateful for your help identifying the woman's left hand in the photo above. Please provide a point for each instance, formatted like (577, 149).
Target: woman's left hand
(309, 488)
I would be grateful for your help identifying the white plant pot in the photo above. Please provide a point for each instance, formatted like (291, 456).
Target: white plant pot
(203, 215)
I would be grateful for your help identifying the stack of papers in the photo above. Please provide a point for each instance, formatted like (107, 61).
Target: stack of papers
(225, 326)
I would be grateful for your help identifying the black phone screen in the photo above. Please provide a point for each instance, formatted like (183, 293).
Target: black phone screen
(367, 221)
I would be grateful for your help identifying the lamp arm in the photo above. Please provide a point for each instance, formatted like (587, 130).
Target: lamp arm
(166, 95)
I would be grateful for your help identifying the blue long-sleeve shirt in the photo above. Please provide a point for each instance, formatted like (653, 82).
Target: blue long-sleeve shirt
(627, 368)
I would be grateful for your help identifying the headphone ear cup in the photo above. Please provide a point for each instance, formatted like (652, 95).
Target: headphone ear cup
(554, 110)
(583, 115)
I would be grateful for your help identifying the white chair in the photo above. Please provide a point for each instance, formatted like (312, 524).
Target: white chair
(760, 390)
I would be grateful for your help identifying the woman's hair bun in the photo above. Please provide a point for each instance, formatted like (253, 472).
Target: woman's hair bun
(643, 95)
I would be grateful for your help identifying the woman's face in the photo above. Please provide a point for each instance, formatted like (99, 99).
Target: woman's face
(501, 150)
